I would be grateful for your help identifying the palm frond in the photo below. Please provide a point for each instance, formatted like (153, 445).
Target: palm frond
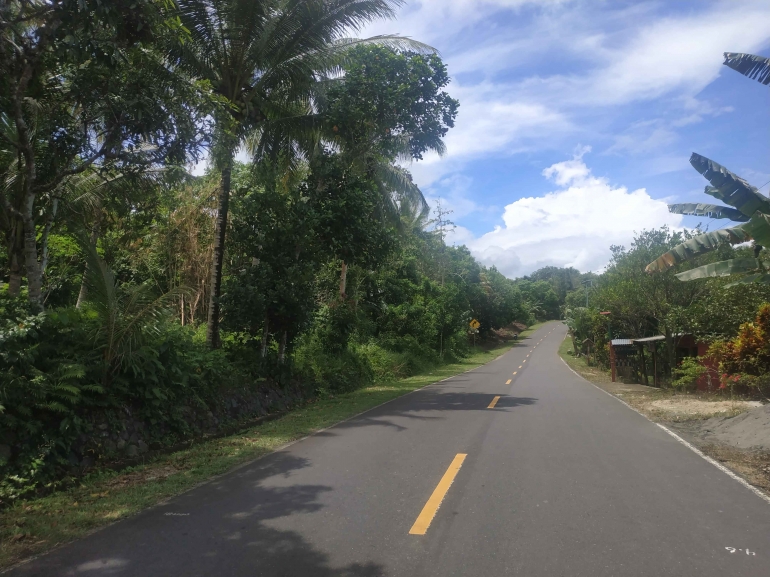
(757, 278)
(729, 187)
(722, 268)
(708, 211)
(751, 65)
(398, 184)
(759, 228)
(698, 245)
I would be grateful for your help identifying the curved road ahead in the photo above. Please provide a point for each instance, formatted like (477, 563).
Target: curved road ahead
(554, 477)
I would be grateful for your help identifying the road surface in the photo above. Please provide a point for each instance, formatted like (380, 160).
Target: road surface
(554, 477)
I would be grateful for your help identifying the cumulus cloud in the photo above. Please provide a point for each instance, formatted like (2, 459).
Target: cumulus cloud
(574, 225)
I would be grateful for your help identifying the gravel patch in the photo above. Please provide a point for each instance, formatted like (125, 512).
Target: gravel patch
(702, 408)
(750, 430)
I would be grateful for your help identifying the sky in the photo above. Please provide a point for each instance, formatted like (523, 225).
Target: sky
(577, 119)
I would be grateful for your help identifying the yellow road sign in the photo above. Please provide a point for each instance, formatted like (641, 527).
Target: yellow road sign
(475, 324)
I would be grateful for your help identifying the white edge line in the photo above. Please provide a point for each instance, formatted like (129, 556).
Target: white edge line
(694, 449)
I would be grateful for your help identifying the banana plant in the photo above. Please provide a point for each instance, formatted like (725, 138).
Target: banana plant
(745, 205)
(751, 65)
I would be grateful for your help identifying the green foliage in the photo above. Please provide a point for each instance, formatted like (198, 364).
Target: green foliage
(51, 386)
(542, 300)
(687, 373)
(389, 96)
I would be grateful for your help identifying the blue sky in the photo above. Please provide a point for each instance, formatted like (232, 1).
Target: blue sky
(577, 118)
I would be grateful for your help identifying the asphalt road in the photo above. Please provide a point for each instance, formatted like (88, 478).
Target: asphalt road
(557, 478)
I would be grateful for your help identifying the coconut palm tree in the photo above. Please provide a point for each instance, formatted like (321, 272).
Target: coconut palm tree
(746, 205)
(263, 60)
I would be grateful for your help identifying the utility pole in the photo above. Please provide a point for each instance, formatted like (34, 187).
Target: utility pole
(588, 283)
(442, 224)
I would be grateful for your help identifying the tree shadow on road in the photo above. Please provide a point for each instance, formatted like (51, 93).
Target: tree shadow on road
(222, 528)
(427, 405)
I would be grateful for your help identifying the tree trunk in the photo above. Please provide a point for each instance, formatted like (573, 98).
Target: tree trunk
(46, 233)
(14, 280)
(282, 349)
(265, 336)
(31, 264)
(93, 239)
(15, 256)
(212, 329)
(343, 279)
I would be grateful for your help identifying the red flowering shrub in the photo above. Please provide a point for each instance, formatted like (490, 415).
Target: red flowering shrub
(745, 359)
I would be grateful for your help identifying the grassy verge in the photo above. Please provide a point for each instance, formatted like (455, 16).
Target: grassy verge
(684, 413)
(32, 527)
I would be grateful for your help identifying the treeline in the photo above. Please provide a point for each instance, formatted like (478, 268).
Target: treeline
(141, 305)
(641, 304)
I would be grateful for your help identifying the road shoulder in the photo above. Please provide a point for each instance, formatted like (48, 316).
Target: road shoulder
(685, 414)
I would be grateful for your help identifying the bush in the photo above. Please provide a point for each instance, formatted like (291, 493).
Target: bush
(336, 372)
(388, 365)
(53, 392)
(688, 372)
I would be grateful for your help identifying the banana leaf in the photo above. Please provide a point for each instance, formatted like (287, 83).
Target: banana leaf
(722, 268)
(759, 228)
(759, 278)
(730, 188)
(698, 245)
(708, 210)
(750, 65)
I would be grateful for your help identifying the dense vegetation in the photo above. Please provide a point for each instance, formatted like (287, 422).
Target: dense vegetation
(141, 305)
(642, 304)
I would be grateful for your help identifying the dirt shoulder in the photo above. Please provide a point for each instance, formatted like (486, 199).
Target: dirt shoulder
(735, 432)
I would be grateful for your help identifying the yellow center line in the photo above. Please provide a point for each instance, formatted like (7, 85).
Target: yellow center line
(525, 360)
(519, 366)
(508, 382)
(494, 402)
(434, 502)
(514, 372)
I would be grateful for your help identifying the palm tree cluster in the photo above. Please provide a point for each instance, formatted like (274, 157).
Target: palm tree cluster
(92, 96)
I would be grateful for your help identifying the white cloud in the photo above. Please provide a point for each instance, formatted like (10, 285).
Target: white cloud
(435, 20)
(670, 55)
(488, 123)
(571, 69)
(572, 226)
(650, 136)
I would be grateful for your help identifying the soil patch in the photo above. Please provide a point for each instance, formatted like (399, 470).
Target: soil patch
(750, 430)
(700, 408)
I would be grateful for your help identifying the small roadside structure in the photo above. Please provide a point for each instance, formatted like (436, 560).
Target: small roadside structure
(686, 346)
(628, 359)
(622, 358)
